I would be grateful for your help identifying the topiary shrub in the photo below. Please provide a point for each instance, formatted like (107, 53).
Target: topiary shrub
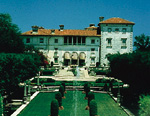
(93, 108)
(85, 86)
(91, 96)
(54, 108)
(87, 90)
(61, 90)
(63, 84)
(58, 96)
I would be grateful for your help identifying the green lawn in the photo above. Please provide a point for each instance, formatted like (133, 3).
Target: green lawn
(74, 105)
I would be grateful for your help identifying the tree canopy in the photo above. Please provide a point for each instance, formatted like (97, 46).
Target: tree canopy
(16, 68)
(142, 43)
(10, 41)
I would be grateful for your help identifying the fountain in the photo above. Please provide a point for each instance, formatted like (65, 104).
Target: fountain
(75, 92)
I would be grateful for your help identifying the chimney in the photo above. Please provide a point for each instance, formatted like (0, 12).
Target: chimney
(61, 27)
(101, 19)
(92, 25)
(35, 29)
(41, 27)
(52, 31)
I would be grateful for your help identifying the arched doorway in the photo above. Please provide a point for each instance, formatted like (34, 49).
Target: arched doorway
(82, 57)
(67, 58)
(74, 58)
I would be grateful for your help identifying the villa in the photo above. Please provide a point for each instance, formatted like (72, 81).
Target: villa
(87, 47)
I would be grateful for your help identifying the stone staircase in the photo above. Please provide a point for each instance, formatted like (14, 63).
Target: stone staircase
(84, 74)
(65, 73)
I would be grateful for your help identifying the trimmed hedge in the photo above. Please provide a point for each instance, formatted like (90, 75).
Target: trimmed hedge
(63, 84)
(58, 96)
(93, 108)
(91, 96)
(87, 90)
(61, 90)
(54, 108)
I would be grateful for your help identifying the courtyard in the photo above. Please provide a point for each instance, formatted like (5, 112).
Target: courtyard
(74, 105)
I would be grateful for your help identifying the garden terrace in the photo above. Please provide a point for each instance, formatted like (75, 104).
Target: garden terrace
(74, 105)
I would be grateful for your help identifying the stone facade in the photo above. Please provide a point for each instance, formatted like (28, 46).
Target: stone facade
(82, 47)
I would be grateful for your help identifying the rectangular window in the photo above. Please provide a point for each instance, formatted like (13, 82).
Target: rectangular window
(56, 60)
(56, 40)
(92, 60)
(74, 40)
(41, 40)
(28, 40)
(109, 42)
(83, 40)
(92, 49)
(124, 30)
(56, 49)
(79, 40)
(70, 40)
(65, 40)
(124, 43)
(117, 30)
(109, 30)
(93, 41)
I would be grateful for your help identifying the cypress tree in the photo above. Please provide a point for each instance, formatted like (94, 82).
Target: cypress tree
(54, 108)
(58, 96)
(61, 90)
(63, 84)
(85, 86)
(93, 108)
(91, 96)
(87, 90)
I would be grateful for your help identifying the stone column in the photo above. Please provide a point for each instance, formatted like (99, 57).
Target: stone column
(118, 94)
(38, 81)
(29, 92)
(25, 92)
(1, 105)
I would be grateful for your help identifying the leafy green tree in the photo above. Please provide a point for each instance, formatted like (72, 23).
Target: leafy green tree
(93, 108)
(16, 68)
(54, 108)
(142, 43)
(10, 41)
(144, 104)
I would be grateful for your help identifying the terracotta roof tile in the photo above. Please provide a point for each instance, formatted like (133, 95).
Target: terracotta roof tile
(63, 33)
(116, 20)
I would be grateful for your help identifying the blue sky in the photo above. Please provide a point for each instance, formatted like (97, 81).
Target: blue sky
(76, 14)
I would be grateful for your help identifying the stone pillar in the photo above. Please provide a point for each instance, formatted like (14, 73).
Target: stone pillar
(29, 92)
(25, 93)
(1, 105)
(38, 81)
(118, 94)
